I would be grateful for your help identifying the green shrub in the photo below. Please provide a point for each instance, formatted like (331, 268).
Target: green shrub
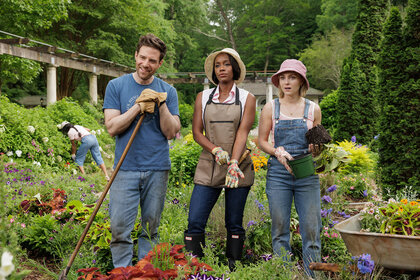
(360, 158)
(328, 106)
(184, 154)
(186, 112)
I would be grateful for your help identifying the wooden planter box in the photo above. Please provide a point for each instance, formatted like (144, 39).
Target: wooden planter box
(397, 252)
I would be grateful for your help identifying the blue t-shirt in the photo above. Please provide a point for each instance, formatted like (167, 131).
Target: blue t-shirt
(149, 150)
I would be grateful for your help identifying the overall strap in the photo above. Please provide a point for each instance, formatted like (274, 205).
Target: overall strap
(276, 109)
(307, 105)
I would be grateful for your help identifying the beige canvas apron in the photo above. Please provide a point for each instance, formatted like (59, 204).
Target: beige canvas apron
(221, 122)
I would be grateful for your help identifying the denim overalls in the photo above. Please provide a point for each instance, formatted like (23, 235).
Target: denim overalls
(282, 188)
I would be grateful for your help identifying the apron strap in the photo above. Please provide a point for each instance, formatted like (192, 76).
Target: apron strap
(211, 96)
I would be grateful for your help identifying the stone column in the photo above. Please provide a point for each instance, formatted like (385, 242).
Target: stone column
(51, 84)
(93, 88)
(206, 84)
(269, 91)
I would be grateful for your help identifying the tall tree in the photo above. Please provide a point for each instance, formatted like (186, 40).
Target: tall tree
(394, 130)
(365, 46)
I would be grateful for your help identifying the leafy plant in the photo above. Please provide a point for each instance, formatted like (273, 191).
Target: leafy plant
(355, 186)
(331, 158)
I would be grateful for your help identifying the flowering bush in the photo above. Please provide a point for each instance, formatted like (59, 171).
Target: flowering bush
(355, 186)
(360, 157)
(395, 217)
(259, 159)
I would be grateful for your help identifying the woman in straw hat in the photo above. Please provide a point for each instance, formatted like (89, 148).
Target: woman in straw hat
(223, 117)
(88, 142)
(287, 119)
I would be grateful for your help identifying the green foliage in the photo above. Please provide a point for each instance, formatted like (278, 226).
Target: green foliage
(184, 154)
(324, 59)
(13, 69)
(337, 14)
(331, 158)
(361, 158)
(328, 105)
(399, 105)
(357, 113)
(32, 134)
(355, 186)
(186, 112)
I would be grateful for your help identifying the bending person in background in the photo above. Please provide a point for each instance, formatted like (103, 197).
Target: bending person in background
(88, 142)
(287, 119)
(223, 117)
(143, 176)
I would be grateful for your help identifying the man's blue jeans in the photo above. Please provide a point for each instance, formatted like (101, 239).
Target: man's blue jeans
(203, 200)
(128, 190)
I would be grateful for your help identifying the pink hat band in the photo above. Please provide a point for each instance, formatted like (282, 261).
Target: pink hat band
(293, 65)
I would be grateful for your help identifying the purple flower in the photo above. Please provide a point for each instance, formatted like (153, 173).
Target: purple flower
(364, 263)
(251, 223)
(175, 201)
(353, 139)
(365, 193)
(325, 213)
(326, 199)
(267, 257)
(332, 188)
(260, 206)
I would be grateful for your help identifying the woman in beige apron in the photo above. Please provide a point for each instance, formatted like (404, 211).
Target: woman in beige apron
(223, 117)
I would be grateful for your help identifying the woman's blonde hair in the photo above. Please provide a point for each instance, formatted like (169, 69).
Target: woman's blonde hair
(302, 90)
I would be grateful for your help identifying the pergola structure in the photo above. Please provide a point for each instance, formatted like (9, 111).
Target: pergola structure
(257, 82)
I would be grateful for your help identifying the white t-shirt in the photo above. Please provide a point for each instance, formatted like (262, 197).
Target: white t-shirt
(74, 135)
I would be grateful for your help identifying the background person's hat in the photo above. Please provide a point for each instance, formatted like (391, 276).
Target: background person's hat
(293, 65)
(209, 64)
(61, 125)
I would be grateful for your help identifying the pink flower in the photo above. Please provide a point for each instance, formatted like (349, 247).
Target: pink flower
(352, 188)
(334, 235)
(23, 225)
(12, 220)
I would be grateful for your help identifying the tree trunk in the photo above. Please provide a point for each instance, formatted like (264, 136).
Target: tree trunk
(228, 26)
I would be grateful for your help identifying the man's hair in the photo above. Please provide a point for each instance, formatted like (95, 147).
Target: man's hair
(235, 68)
(152, 41)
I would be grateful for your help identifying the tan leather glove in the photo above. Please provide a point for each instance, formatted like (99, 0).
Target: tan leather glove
(148, 98)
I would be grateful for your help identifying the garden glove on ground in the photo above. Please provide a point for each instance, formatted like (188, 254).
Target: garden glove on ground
(233, 174)
(148, 98)
(221, 156)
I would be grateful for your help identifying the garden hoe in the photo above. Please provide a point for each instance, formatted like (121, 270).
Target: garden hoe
(63, 274)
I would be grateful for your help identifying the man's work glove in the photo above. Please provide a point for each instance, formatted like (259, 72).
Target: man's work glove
(221, 156)
(73, 157)
(148, 98)
(233, 174)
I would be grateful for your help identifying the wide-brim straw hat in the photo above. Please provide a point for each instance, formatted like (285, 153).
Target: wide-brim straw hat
(209, 64)
(293, 65)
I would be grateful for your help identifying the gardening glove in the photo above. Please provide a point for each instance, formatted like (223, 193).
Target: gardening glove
(282, 156)
(221, 156)
(148, 98)
(233, 174)
(73, 157)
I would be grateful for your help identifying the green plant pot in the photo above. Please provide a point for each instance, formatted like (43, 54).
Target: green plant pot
(302, 166)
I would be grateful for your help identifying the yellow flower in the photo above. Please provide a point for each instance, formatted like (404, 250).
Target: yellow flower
(413, 203)
(401, 209)
(404, 201)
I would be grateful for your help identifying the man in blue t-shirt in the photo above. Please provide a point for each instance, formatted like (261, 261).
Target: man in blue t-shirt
(143, 176)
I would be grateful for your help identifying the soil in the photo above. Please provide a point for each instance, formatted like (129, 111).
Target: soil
(318, 135)
(36, 272)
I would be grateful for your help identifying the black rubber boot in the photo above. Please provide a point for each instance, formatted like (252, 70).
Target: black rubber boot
(194, 243)
(234, 248)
